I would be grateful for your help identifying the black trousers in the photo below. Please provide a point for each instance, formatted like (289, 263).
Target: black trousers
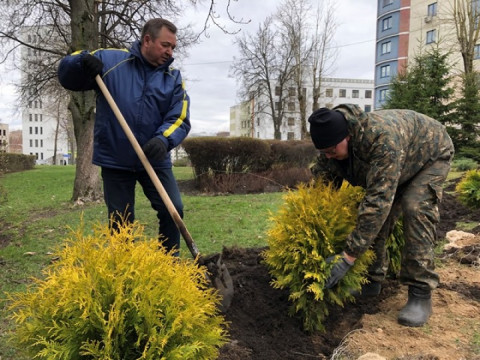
(119, 194)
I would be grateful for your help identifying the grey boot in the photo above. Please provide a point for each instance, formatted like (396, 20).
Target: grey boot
(418, 309)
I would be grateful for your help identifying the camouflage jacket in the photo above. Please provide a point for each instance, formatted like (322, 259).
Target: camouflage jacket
(387, 148)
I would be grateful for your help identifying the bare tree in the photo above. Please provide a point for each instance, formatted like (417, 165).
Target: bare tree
(323, 53)
(75, 25)
(264, 69)
(293, 16)
(466, 16)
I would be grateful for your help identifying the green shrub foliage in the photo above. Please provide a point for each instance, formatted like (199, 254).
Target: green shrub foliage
(468, 189)
(10, 162)
(119, 296)
(464, 164)
(312, 225)
(394, 245)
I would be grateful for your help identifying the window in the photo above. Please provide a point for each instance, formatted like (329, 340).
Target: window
(278, 105)
(30, 130)
(291, 91)
(368, 108)
(432, 9)
(30, 117)
(383, 94)
(386, 47)
(431, 36)
(385, 71)
(278, 91)
(291, 121)
(36, 117)
(387, 23)
(355, 94)
(329, 93)
(31, 143)
(475, 9)
(476, 52)
(291, 106)
(368, 94)
(36, 130)
(343, 93)
(387, 2)
(290, 135)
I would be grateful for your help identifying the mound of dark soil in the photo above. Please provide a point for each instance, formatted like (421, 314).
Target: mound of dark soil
(260, 327)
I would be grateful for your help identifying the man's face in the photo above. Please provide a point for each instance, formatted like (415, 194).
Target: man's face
(159, 50)
(337, 152)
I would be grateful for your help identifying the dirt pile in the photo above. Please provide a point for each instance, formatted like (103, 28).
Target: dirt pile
(261, 328)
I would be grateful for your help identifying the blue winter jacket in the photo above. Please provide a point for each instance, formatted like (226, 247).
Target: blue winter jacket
(153, 101)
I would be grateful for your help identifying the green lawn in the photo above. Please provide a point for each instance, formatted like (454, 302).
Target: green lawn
(36, 215)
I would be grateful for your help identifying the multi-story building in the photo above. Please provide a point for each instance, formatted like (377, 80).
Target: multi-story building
(45, 133)
(248, 119)
(408, 28)
(4, 138)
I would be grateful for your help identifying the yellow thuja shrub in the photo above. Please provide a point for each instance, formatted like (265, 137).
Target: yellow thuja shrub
(468, 189)
(312, 225)
(118, 296)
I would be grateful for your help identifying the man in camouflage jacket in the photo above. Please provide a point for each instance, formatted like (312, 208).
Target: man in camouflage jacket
(401, 158)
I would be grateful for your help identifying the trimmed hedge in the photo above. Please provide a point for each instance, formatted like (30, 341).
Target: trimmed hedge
(246, 155)
(10, 162)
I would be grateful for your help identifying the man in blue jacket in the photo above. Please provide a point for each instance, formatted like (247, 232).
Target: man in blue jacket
(151, 96)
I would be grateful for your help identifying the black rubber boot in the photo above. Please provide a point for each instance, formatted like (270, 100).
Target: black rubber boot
(418, 309)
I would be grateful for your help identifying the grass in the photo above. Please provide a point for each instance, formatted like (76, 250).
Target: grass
(36, 215)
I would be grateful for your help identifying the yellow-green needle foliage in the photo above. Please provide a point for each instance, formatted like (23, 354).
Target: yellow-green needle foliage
(312, 225)
(468, 189)
(119, 296)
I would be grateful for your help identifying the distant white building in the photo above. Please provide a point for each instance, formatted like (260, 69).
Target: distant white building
(44, 120)
(4, 136)
(247, 119)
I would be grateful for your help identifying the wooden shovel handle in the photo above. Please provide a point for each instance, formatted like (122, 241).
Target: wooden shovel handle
(148, 167)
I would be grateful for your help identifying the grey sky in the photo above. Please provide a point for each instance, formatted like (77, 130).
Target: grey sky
(206, 70)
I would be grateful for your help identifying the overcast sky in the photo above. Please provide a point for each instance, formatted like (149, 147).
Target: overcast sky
(207, 69)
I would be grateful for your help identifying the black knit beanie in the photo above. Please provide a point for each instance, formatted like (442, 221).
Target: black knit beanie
(327, 128)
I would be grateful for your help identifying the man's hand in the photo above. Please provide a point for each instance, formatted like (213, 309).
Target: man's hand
(338, 271)
(92, 65)
(155, 149)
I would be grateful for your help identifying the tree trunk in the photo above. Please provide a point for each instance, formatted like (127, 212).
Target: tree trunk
(82, 104)
(87, 185)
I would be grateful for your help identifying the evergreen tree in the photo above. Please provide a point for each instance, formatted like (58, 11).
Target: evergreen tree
(424, 86)
(463, 125)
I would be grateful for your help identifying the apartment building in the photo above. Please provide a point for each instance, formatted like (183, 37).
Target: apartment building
(407, 28)
(250, 118)
(44, 120)
(4, 138)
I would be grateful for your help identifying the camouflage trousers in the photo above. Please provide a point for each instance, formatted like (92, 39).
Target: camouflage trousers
(417, 201)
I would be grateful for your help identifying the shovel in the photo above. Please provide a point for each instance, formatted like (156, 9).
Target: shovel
(218, 276)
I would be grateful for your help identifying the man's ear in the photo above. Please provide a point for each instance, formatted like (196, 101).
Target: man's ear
(146, 39)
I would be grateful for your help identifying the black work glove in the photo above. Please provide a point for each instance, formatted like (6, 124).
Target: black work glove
(92, 65)
(338, 271)
(155, 149)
